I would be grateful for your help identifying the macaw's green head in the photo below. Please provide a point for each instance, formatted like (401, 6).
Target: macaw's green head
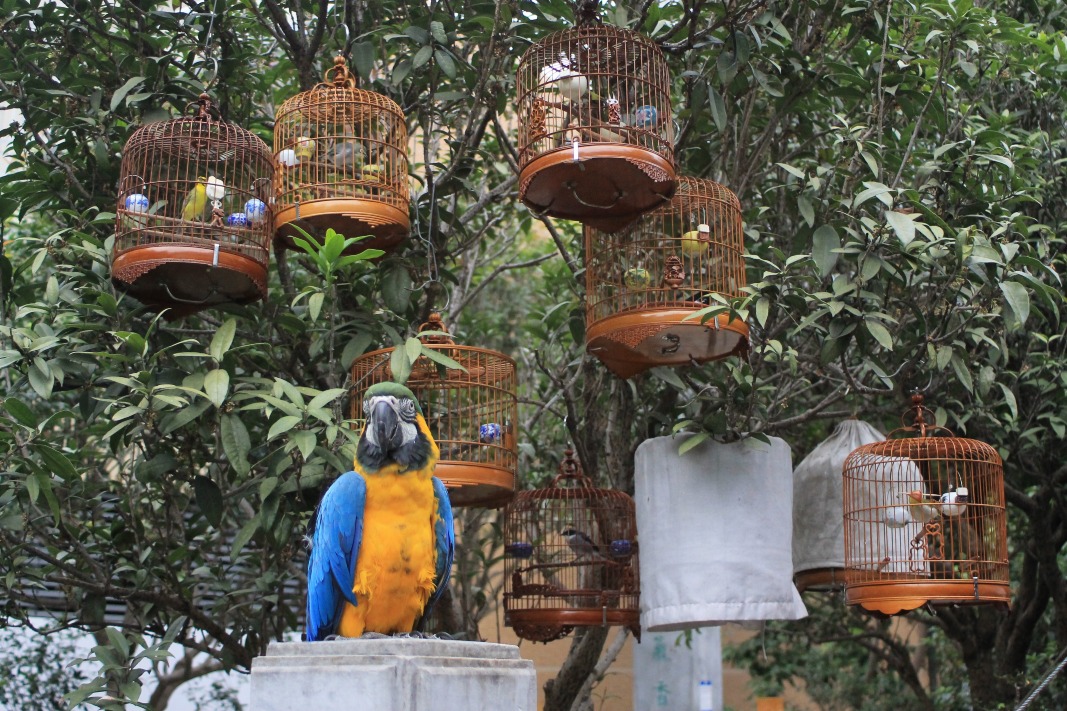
(392, 434)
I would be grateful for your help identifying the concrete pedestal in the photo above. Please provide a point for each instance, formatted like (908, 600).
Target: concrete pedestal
(392, 675)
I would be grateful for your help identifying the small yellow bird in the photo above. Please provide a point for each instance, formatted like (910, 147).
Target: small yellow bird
(920, 508)
(196, 203)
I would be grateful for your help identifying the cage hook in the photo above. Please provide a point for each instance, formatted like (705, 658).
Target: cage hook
(196, 302)
(619, 194)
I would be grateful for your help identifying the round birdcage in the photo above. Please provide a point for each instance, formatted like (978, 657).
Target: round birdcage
(193, 219)
(570, 558)
(596, 135)
(645, 283)
(341, 162)
(471, 412)
(925, 521)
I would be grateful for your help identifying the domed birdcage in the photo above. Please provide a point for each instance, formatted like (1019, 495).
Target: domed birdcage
(570, 558)
(596, 136)
(644, 283)
(341, 163)
(193, 218)
(471, 413)
(925, 521)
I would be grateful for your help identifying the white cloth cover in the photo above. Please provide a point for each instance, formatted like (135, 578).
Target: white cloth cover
(818, 521)
(715, 527)
(668, 671)
(878, 500)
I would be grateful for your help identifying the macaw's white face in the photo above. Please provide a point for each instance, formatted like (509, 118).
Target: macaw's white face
(390, 422)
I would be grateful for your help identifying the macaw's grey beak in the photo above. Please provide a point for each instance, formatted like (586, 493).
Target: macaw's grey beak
(386, 427)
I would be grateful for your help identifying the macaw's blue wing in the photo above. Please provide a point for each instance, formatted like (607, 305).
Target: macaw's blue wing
(334, 552)
(444, 541)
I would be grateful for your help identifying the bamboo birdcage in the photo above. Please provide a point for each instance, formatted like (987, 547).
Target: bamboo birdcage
(925, 521)
(596, 136)
(341, 163)
(570, 558)
(644, 283)
(193, 219)
(472, 413)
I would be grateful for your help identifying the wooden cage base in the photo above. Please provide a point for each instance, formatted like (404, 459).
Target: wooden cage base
(895, 596)
(474, 484)
(609, 186)
(820, 580)
(187, 279)
(631, 342)
(548, 624)
(386, 224)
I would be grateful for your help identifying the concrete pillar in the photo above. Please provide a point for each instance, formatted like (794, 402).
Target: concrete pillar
(393, 674)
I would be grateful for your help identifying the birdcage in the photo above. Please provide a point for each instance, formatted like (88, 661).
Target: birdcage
(471, 413)
(925, 520)
(341, 163)
(596, 136)
(193, 218)
(645, 283)
(570, 558)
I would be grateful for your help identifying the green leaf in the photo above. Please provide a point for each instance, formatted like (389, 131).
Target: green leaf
(223, 338)
(396, 289)
(718, 108)
(41, 383)
(305, 442)
(22, 414)
(185, 416)
(669, 376)
(445, 61)
(118, 96)
(413, 349)
(56, 462)
(284, 424)
(363, 58)
(216, 385)
(1017, 299)
(355, 348)
(692, 442)
(880, 333)
(315, 305)
(437, 356)
(325, 397)
(902, 225)
(824, 242)
(244, 536)
(209, 499)
(422, 56)
(400, 365)
(807, 211)
(437, 30)
(763, 310)
(236, 443)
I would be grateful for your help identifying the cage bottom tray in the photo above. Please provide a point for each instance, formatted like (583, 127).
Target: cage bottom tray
(386, 224)
(187, 278)
(893, 595)
(547, 624)
(608, 187)
(633, 341)
(820, 579)
(474, 484)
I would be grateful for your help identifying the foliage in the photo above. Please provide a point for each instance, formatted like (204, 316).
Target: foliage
(900, 168)
(39, 669)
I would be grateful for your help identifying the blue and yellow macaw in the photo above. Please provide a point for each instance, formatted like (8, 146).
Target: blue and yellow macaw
(383, 542)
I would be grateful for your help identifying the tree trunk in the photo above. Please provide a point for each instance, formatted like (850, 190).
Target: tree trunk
(561, 692)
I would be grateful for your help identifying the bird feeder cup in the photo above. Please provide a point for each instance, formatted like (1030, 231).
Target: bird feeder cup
(644, 284)
(193, 221)
(570, 558)
(470, 412)
(925, 521)
(596, 136)
(341, 162)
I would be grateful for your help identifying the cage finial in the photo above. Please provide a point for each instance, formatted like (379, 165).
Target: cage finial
(434, 323)
(339, 74)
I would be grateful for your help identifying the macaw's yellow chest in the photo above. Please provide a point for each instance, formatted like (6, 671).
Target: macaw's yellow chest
(396, 565)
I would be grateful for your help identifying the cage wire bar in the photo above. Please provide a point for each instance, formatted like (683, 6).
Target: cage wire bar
(596, 135)
(472, 413)
(193, 220)
(925, 521)
(570, 558)
(645, 283)
(341, 163)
